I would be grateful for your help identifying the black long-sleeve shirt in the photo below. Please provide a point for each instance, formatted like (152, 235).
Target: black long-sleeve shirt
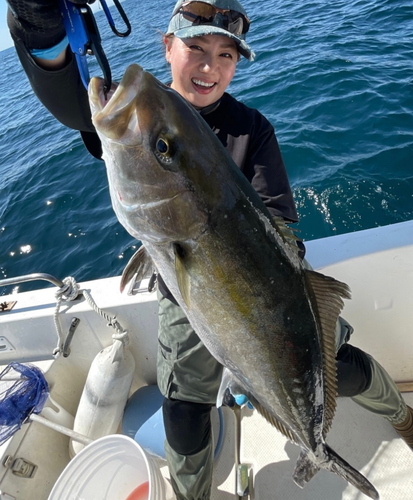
(250, 140)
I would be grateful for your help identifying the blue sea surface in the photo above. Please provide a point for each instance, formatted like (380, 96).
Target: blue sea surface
(334, 78)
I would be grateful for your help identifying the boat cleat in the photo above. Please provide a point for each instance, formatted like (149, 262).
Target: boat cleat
(20, 467)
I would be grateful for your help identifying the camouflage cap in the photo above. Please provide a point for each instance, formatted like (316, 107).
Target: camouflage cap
(183, 28)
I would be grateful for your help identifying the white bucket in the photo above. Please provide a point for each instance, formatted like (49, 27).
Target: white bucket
(111, 468)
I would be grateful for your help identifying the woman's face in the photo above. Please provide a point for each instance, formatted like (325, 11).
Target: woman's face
(202, 67)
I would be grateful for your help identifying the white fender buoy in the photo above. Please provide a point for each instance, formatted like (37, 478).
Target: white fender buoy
(105, 394)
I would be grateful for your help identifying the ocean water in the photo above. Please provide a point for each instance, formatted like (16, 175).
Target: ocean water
(334, 78)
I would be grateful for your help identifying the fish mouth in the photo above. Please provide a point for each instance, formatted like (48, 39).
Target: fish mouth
(119, 95)
(98, 95)
(114, 113)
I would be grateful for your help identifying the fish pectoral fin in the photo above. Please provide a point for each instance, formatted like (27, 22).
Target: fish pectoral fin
(182, 275)
(139, 267)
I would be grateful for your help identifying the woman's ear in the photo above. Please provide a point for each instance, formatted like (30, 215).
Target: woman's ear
(168, 46)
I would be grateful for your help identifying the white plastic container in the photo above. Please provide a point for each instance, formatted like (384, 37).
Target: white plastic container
(111, 468)
(105, 394)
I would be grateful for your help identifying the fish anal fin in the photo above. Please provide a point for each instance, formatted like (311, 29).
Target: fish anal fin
(328, 295)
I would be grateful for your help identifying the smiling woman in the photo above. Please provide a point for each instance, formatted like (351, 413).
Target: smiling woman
(202, 67)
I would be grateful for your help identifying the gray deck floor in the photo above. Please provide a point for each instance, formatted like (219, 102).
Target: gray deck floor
(366, 441)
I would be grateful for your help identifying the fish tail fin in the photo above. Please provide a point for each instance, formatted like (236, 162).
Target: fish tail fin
(346, 471)
(306, 468)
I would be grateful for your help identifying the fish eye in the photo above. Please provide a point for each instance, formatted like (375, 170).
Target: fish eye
(163, 150)
(162, 146)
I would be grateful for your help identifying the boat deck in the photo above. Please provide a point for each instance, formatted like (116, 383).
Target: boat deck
(366, 441)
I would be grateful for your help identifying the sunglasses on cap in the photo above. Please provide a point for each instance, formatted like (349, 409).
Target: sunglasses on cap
(200, 13)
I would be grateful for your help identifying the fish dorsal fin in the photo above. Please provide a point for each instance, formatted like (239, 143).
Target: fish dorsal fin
(140, 264)
(328, 295)
(287, 233)
(182, 275)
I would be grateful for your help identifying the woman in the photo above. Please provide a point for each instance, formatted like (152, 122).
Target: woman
(203, 59)
(204, 42)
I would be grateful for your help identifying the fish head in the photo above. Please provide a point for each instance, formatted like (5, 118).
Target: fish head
(158, 150)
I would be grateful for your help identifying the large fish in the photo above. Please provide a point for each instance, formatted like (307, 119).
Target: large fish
(231, 267)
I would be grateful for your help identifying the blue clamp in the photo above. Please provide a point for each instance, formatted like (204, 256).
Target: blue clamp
(84, 37)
